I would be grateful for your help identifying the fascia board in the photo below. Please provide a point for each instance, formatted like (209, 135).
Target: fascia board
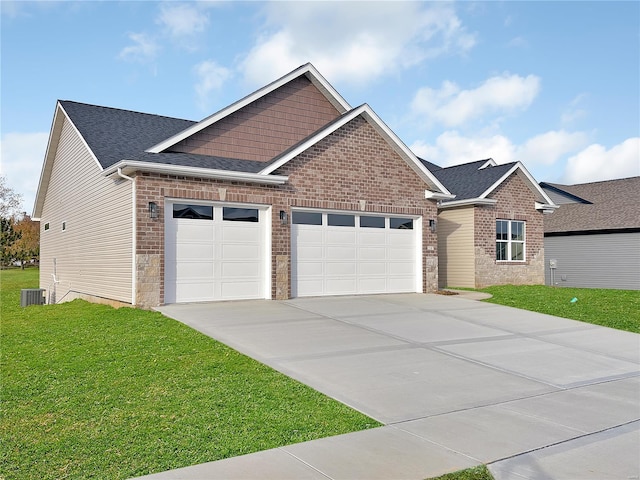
(307, 70)
(429, 195)
(52, 147)
(130, 166)
(532, 183)
(373, 119)
(468, 201)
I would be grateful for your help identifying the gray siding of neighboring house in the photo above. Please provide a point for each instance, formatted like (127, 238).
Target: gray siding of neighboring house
(594, 261)
(94, 254)
(558, 198)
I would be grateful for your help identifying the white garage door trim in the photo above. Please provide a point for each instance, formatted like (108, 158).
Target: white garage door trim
(209, 258)
(354, 259)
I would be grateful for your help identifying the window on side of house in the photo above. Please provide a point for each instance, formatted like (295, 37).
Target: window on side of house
(510, 241)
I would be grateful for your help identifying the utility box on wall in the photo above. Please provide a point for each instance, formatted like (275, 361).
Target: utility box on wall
(32, 296)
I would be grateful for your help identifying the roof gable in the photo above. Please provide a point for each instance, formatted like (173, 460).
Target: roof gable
(370, 116)
(307, 70)
(474, 182)
(267, 126)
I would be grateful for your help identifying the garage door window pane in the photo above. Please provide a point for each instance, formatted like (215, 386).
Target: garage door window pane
(372, 222)
(198, 212)
(307, 218)
(337, 220)
(401, 223)
(232, 214)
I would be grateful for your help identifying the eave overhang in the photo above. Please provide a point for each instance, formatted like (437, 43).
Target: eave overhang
(467, 202)
(129, 167)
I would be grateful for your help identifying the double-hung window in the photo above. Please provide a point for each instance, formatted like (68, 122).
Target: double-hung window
(510, 241)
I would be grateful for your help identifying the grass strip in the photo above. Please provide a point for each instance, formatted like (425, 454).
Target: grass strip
(481, 472)
(618, 309)
(91, 391)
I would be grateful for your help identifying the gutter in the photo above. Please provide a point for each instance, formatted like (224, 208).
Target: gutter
(126, 167)
(428, 194)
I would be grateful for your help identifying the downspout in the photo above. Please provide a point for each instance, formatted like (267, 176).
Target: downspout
(134, 275)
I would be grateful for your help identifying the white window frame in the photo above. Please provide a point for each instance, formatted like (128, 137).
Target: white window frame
(510, 241)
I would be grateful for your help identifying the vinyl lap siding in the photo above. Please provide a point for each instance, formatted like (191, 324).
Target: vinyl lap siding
(595, 261)
(456, 264)
(94, 254)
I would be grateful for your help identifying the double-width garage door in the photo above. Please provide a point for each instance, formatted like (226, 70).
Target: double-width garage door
(352, 253)
(215, 252)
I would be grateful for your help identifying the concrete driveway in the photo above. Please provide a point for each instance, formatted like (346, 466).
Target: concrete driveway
(455, 381)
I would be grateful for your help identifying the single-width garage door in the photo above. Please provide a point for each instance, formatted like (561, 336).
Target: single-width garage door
(353, 253)
(215, 252)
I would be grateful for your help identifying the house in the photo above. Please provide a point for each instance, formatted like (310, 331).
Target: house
(594, 237)
(285, 193)
(491, 233)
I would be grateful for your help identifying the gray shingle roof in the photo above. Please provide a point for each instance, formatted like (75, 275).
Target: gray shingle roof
(114, 135)
(468, 181)
(615, 205)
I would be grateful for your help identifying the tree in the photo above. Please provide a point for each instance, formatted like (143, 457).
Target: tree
(10, 201)
(8, 236)
(27, 246)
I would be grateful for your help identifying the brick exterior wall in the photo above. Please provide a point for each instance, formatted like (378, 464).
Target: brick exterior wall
(265, 127)
(352, 165)
(516, 201)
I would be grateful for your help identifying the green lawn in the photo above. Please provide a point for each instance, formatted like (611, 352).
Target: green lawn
(480, 472)
(91, 391)
(611, 308)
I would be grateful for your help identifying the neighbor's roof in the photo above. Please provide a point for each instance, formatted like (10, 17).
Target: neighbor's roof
(615, 205)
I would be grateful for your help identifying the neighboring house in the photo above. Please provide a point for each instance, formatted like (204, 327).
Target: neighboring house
(594, 237)
(492, 232)
(288, 192)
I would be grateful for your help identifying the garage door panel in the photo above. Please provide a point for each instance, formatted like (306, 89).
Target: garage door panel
(369, 253)
(340, 268)
(401, 253)
(373, 284)
(240, 233)
(340, 236)
(194, 251)
(197, 271)
(240, 290)
(213, 259)
(340, 285)
(335, 252)
(372, 268)
(353, 259)
(249, 270)
(309, 268)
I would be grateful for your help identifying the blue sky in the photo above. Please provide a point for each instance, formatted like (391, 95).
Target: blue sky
(553, 84)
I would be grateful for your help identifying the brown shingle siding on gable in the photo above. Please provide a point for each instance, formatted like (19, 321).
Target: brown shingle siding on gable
(266, 127)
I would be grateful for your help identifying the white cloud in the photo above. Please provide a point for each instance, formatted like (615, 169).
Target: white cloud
(21, 156)
(453, 148)
(183, 22)
(549, 147)
(452, 106)
(353, 42)
(596, 163)
(211, 77)
(574, 111)
(144, 49)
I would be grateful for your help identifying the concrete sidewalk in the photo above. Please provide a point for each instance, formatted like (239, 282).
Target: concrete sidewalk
(456, 383)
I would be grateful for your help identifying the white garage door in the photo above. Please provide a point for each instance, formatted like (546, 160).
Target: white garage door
(215, 252)
(352, 253)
